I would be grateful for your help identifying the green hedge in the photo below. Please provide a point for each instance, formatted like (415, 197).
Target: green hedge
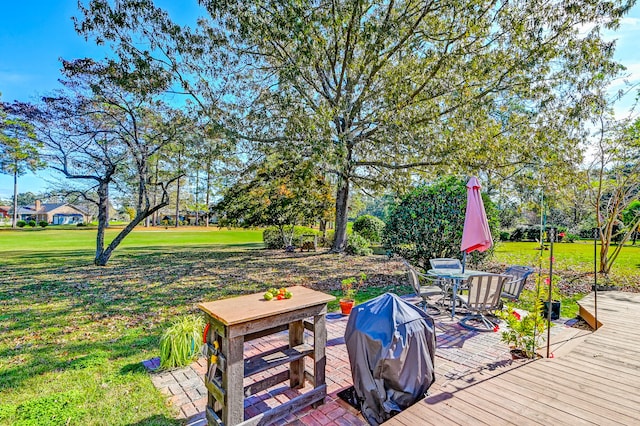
(369, 227)
(428, 223)
(273, 239)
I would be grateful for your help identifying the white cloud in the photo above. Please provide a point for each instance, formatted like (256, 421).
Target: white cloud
(629, 22)
(13, 77)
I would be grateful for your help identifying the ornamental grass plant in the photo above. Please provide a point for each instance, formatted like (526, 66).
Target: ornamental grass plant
(181, 343)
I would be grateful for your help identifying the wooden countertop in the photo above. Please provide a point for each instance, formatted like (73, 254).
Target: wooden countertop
(236, 310)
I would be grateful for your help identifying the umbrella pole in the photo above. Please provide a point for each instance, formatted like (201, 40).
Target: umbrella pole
(464, 260)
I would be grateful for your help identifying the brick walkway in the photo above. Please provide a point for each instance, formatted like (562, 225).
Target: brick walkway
(459, 353)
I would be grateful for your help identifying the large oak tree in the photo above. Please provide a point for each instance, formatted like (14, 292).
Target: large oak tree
(372, 89)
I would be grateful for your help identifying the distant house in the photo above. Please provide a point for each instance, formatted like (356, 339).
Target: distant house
(4, 212)
(54, 213)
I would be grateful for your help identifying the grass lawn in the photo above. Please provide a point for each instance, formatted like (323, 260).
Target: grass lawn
(574, 265)
(53, 238)
(72, 335)
(576, 256)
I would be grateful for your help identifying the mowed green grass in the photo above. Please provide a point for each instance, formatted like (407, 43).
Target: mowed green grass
(576, 257)
(73, 335)
(85, 238)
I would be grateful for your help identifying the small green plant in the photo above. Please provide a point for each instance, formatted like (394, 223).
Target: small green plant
(351, 285)
(525, 332)
(543, 282)
(357, 245)
(43, 224)
(32, 223)
(181, 342)
(21, 224)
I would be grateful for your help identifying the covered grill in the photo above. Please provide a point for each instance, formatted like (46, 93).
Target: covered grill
(391, 346)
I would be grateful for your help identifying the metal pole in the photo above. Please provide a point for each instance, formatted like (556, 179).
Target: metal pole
(595, 274)
(552, 237)
(542, 224)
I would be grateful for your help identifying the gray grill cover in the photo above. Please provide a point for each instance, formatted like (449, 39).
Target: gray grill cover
(391, 346)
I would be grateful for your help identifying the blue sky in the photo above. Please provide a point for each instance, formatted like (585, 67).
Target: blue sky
(35, 34)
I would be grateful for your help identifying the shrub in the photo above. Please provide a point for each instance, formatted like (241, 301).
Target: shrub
(570, 238)
(358, 245)
(327, 241)
(369, 227)
(181, 342)
(32, 223)
(524, 332)
(81, 224)
(532, 232)
(43, 224)
(505, 236)
(428, 223)
(21, 224)
(273, 238)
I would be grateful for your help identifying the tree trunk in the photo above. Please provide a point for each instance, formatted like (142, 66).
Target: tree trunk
(15, 199)
(178, 190)
(196, 195)
(155, 220)
(605, 241)
(208, 190)
(342, 212)
(103, 206)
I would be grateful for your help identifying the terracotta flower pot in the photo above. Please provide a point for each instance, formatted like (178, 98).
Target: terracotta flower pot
(346, 306)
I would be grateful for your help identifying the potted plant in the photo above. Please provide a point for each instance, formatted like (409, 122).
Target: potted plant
(525, 333)
(349, 289)
(556, 297)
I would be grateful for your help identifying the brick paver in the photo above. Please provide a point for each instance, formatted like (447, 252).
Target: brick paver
(459, 353)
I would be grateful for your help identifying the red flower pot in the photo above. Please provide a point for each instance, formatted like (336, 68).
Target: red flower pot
(346, 306)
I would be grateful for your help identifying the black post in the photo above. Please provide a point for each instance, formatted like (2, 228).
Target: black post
(552, 237)
(595, 274)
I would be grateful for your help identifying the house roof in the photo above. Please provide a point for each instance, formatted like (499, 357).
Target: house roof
(5, 208)
(47, 207)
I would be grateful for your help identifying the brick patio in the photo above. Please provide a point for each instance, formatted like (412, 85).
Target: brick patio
(460, 352)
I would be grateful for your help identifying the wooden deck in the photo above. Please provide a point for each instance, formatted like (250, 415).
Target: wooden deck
(596, 381)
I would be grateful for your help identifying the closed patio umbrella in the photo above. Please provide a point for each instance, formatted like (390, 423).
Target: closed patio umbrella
(476, 234)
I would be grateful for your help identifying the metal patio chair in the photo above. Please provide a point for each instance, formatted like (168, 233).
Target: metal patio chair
(481, 299)
(426, 287)
(514, 285)
(446, 263)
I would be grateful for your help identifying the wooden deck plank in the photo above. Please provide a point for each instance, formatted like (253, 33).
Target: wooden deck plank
(472, 408)
(620, 389)
(596, 382)
(509, 413)
(540, 407)
(576, 397)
